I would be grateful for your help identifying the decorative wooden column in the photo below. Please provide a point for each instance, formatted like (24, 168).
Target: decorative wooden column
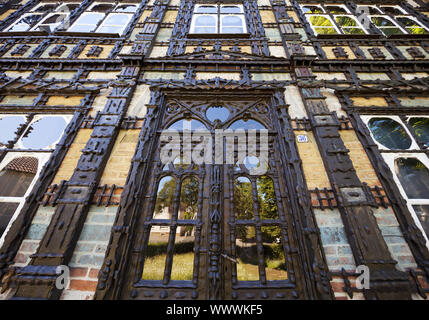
(37, 280)
(367, 243)
(116, 254)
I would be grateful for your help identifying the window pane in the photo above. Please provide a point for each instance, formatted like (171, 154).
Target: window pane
(275, 263)
(68, 7)
(312, 9)
(267, 198)
(43, 133)
(205, 21)
(183, 259)
(346, 21)
(422, 213)
(26, 23)
(205, 30)
(165, 198)
(389, 133)
(90, 18)
(382, 22)
(420, 127)
(45, 8)
(55, 18)
(189, 199)
(83, 28)
(243, 202)
(6, 212)
(8, 127)
(156, 253)
(417, 30)
(116, 19)
(110, 29)
(392, 10)
(407, 22)
(247, 125)
(232, 30)
(414, 177)
(336, 10)
(102, 7)
(17, 176)
(319, 21)
(126, 8)
(187, 125)
(231, 21)
(217, 113)
(353, 31)
(390, 31)
(206, 9)
(230, 9)
(247, 255)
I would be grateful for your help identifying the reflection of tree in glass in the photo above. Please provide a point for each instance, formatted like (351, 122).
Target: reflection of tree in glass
(165, 195)
(421, 128)
(243, 204)
(389, 133)
(268, 207)
(414, 177)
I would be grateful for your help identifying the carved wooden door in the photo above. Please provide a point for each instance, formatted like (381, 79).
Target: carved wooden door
(219, 229)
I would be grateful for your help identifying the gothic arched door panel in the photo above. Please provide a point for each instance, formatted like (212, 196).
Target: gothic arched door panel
(214, 221)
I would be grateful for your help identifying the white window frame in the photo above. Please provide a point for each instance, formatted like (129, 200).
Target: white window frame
(13, 115)
(20, 18)
(56, 25)
(322, 27)
(387, 27)
(42, 158)
(67, 119)
(413, 19)
(86, 24)
(101, 22)
(358, 24)
(366, 118)
(122, 25)
(390, 159)
(218, 17)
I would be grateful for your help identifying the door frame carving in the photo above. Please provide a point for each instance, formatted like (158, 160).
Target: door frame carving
(315, 275)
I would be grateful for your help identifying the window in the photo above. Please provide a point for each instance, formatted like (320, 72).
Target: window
(392, 20)
(26, 154)
(332, 19)
(400, 142)
(105, 18)
(218, 18)
(414, 178)
(44, 17)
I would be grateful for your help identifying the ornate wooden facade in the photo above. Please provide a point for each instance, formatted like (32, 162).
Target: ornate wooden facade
(341, 87)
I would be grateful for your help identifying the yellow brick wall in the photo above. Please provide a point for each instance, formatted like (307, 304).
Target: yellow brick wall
(64, 101)
(366, 102)
(118, 165)
(360, 160)
(314, 169)
(170, 16)
(73, 154)
(267, 16)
